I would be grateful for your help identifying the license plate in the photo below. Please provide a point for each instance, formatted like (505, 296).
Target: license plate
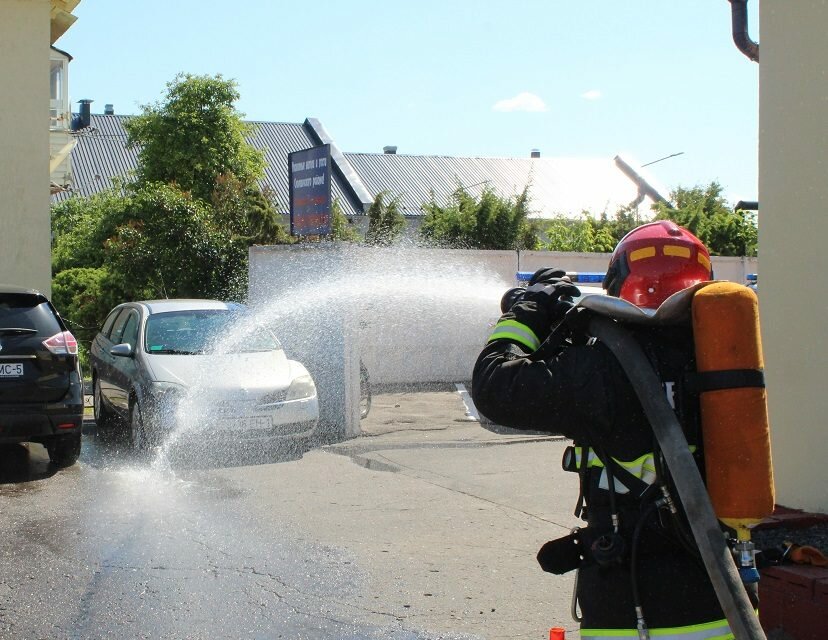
(245, 424)
(11, 370)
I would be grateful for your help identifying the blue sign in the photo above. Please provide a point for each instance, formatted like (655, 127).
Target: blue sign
(309, 172)
(582, 277)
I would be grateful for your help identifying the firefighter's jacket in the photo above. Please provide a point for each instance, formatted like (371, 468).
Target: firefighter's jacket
(579, 390)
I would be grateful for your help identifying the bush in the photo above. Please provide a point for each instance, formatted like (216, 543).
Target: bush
(488, 222)
(83, 296)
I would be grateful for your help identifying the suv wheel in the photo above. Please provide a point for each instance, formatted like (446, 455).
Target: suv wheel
(103, 418)
(64, 450)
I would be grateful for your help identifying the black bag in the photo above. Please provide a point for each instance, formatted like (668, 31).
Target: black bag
(562, 555)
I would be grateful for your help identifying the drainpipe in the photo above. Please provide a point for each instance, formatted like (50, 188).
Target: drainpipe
(741, 38)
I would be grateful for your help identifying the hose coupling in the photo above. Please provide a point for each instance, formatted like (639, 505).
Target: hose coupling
(641, 625)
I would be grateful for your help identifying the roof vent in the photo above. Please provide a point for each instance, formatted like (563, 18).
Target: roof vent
(109, 110)
(535, 153)
(389, 149)
(84, 118)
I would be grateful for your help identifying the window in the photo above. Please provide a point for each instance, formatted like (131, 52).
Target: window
(202, 331)
(110, 319)
(118, 327)
(59, 116)
(130, 332)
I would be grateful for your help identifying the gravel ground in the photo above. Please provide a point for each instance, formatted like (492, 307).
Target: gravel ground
(813, 536)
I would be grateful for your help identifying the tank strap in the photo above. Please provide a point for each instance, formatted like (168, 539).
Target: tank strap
(726, 379)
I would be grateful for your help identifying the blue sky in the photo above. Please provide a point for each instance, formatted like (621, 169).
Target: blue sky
(646, 78)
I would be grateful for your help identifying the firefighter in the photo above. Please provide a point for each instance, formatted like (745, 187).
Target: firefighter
(633, 555)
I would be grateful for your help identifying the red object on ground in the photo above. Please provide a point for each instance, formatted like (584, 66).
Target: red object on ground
(557, 633)
(794, 598)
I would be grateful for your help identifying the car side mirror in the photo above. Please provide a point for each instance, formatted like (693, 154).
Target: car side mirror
(123, 350)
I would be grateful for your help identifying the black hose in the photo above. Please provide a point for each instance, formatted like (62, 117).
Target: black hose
(682, 533)
(611, 489)
(639, 526)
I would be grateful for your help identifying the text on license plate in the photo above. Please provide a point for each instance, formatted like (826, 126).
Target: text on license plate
(11, 369)
(247, 422)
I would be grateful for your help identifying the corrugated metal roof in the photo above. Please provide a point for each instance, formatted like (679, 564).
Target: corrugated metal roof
(101, 155)
(558, 186)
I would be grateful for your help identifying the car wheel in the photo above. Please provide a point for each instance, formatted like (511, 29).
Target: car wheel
(137, 429)
(364, 392)
(64, 450)
(103, 417)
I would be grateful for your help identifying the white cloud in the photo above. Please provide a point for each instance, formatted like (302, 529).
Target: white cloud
(523, 101)
(592, 94)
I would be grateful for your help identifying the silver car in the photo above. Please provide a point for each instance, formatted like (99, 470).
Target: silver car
(197, 369)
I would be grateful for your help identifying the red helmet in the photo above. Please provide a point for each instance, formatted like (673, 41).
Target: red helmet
(654, 261)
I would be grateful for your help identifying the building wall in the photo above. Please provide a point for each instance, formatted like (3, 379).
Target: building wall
(25, 243)
(793, 234)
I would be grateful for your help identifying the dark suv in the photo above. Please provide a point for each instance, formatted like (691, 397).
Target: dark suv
(41, 389)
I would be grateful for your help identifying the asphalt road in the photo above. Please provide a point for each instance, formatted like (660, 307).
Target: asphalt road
(426, 526)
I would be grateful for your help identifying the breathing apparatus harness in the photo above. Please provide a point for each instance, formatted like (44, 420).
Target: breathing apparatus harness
(613, 547)
(677, 477)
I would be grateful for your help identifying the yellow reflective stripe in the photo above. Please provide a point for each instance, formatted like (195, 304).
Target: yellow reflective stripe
(640, 254)
(514, 330)
(594, 461)
(641, 467)
(644, 462)
(704, 261)
(716, 630)
(675, 250)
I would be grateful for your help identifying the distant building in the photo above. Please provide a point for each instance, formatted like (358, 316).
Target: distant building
(558, 186)
(61, 142)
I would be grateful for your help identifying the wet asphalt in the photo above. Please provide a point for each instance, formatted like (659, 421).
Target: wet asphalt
(119, 546)
(425, 526)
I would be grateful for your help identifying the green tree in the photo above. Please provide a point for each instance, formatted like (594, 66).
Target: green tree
(625, 220)
(385, 221)
(584, 235)
(248, 213)
(487, 222)
(341, 227)
(172, 245)
(84, 295)
(183, 228)
(706, 213)
(194, 136)
(81, 227)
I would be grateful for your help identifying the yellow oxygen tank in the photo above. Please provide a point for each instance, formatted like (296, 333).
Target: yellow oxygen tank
(734, 416)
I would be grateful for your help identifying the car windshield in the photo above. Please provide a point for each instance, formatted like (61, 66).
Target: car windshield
(204, 331)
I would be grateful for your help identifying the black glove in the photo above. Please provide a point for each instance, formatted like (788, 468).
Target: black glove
(543, 305)
(548, 275)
